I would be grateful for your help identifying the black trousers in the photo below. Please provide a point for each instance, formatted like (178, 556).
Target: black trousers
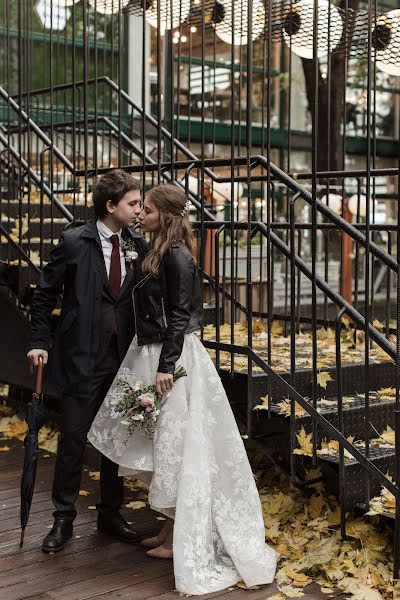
(77, 416)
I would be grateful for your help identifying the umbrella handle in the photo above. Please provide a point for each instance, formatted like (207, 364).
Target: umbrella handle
(39, 377)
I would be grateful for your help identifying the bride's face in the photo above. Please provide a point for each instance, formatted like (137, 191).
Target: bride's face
(149, 218)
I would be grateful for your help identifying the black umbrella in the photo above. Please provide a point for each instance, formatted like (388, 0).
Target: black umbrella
(35, 419)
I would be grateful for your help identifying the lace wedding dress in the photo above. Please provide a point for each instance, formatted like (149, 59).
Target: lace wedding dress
(198, 472)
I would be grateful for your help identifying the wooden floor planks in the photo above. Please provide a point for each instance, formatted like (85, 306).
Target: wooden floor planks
(91, 566)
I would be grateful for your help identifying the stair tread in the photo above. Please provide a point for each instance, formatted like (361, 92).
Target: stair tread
(375, 453)
(353, 402)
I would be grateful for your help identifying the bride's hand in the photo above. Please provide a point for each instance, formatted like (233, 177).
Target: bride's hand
(164, 383)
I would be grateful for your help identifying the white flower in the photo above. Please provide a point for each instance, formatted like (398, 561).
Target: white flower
(131, 255)
(138, 418)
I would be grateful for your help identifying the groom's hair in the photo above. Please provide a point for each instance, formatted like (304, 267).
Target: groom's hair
(112, 186)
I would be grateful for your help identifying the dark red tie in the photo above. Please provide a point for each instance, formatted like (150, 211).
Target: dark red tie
(115, 267)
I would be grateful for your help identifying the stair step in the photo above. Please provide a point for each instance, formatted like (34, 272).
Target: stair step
(14, 208)
(354, 475)
(381, 375)
(381, 414)
(36, 229)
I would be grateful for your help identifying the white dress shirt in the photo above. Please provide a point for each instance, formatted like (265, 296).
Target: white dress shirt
(105, 234)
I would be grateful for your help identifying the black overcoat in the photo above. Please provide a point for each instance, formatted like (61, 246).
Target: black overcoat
(76, 270)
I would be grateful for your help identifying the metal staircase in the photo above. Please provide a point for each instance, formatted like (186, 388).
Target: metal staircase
(55, 192)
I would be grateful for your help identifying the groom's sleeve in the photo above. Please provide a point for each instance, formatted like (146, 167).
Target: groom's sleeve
(45, 297)
(180, 273)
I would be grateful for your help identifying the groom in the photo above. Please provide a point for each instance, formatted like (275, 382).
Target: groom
(95, 267)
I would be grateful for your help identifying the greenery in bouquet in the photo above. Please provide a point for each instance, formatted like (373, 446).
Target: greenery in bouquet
(139, 404)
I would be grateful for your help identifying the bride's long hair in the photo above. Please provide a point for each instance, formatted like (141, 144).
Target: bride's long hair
(170, 201)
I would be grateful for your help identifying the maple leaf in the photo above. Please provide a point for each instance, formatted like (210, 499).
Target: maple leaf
(276, 328)
(378, 325)
(257, 326)
(388, 435)
(323, 378)
(305, 442)
(298, 578)
(391, 391)
(136, 505)
(315, 505)
(264, 405)
(284, 408)
(20, 228)
(321, 553)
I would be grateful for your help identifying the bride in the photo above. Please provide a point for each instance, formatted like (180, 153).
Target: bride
(196, 464)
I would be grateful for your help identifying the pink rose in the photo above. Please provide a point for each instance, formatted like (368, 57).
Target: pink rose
(146, 400)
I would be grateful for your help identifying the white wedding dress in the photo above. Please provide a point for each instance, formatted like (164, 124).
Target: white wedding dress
(198, 471)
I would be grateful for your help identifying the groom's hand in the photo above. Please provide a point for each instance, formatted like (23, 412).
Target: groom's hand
(34, 355)
(164, 383)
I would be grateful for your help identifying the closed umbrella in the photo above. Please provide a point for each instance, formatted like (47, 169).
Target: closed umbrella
(35, 419)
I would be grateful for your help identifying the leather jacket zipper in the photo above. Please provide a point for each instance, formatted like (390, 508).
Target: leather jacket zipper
(133, 299)
(163, 312)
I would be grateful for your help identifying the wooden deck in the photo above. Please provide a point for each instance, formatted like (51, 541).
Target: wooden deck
(91, 565)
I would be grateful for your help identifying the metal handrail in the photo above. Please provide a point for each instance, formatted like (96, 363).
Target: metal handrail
(257, 160)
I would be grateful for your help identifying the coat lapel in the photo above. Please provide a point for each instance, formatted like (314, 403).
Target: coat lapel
(91, 232)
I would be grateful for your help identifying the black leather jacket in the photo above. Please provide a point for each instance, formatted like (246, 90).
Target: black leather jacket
(170, 306)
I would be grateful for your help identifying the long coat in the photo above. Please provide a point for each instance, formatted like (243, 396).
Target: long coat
(77, 271)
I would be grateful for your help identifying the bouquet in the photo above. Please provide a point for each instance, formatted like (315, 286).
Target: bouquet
(139, 404)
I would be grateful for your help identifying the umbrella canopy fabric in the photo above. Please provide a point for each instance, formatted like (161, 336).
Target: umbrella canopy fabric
(35, 419)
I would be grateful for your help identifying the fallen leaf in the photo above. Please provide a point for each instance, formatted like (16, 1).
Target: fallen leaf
(305, 442)
(315, 505)
(136, 505)
(5, 449)
(95, 475)
(378, 325)
(276, 328)
(264, 405)
(84, 493)
(323, 378)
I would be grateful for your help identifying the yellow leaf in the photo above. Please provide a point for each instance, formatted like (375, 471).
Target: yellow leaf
(136, 484)
(276, 597)
(84, 493)
(241, 585)
(264, 405)
(284, 408)
(95, 475)
(388, 435)
(305, 442)
(257, 326)
(315, 505)
(378, 325)
(298, 578)
(5, 449)
(391, 391)
(276, 328)
(136, 505)
(17, 430)
(20, 228)
(323, 378)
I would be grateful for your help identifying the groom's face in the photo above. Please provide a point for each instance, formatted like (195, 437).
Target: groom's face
(126, 212)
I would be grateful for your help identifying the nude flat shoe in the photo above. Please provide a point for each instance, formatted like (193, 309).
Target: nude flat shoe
(160, 552)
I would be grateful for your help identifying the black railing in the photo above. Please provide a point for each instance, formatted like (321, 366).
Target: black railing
(294, 183)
